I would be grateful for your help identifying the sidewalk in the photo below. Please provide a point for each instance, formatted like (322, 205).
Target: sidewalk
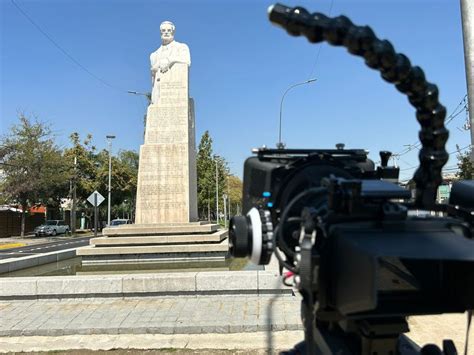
(150, 315)
(211, 322)
(181, 322)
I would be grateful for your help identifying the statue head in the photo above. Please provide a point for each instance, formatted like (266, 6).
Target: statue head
(167, 30)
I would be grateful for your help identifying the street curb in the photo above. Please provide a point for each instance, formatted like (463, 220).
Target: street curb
(138, 285)
(169, 329)
(234, 341)
(24, 262)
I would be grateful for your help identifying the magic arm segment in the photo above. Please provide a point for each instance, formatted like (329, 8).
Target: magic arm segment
(394, 68)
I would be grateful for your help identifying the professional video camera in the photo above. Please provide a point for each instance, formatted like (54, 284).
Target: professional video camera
(347, 232)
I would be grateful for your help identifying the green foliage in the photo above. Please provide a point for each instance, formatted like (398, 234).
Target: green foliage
(32, 166)
(235, 194)
(91, 173)
(209, 169)
(466, 168)
(85, 170)
(123, 177)
(205, 176)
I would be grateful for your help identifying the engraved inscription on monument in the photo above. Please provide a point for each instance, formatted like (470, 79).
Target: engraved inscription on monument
(167, 191)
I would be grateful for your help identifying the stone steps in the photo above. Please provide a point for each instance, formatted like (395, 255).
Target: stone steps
(215, 237)
(160, 229)
(157, 242)
(154, 249)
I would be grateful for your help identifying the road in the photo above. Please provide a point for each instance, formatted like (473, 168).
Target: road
(44, 247)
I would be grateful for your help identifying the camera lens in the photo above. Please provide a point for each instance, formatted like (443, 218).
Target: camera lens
(240, 238)
(252, 236)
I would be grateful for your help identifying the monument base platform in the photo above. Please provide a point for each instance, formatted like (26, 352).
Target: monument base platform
(157, 242)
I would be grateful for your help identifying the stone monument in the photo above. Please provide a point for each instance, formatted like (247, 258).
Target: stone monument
(166, 227)
(167, 191)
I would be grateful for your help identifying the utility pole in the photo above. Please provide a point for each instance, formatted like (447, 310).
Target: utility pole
(467, 16)
(217, 191)
(74, 198)
(224, 197)
(208, 206)
(228, 196)
(109, 140)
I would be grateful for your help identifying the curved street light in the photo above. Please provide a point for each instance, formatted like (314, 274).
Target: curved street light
(280, 144)
(146, 94)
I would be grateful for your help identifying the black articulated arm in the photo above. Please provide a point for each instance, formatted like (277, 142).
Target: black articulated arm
(394, 68)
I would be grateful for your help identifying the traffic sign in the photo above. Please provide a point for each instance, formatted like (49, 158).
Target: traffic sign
(444, 191)
(91, 198)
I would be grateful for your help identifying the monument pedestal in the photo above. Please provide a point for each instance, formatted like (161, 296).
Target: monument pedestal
(167, 190)
(166, 208)
(166, 242)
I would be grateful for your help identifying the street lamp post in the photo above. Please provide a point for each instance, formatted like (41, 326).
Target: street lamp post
(280, 144)
(148, 98)
(109, 140)
(217, 191)
(224, 197)
(74, 197)
(146, 94)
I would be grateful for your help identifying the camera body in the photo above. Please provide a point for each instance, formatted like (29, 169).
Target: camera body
(272, 176)
(368, 256)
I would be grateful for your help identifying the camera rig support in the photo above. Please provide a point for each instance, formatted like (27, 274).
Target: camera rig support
(394, 68)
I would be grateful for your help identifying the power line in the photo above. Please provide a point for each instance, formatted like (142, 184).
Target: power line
(320, 46)
(451, 117)
(62, 50)
(460, 149)
(451, 153)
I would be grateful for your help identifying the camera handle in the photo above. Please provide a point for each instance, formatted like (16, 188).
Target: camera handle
(396, 69)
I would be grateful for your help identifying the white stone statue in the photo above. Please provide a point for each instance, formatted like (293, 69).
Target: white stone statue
(163, 59)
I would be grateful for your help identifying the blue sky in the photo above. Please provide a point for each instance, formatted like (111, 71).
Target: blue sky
(241, 65)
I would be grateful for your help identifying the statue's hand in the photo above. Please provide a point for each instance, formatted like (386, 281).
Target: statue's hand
(164, 65)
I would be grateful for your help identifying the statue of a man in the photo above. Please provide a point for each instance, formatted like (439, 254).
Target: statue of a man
(166, 56)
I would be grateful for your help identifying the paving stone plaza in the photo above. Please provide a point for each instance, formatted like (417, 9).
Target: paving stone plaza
(184, 322)
(162, 315)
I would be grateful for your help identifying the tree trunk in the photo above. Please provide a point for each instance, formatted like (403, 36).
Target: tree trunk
(23, 220)
(208, 210)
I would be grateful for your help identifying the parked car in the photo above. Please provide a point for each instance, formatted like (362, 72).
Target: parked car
(119, 221)
(52, 227)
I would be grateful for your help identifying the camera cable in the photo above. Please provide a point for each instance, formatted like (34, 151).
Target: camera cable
(284, 216)
(281, 260)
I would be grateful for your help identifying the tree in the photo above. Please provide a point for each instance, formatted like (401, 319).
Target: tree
(207, 163)
(85, 171)
(124, 178)
(92, 173)
(222, 173)
(466, 169)
(235, 194)
(204, 167)
(125, 198)
(32, 165)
